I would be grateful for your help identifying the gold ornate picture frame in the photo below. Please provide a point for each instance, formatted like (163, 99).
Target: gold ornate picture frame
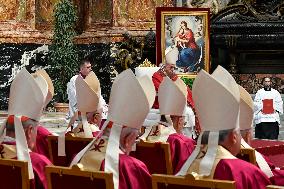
(184, 34)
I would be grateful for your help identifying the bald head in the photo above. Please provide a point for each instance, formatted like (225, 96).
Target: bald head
(168, 70)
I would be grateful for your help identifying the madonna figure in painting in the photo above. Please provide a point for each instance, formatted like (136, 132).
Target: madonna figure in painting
(189, 52)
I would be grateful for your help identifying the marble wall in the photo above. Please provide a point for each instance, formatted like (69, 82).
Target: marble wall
(13, 57)
(26, 33)
(30, 21)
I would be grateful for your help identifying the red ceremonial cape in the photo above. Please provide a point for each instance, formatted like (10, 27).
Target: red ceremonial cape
(157, 78)
(133, 173)
(246, 175)
(38, 162)
(181, 148)
(41, 141)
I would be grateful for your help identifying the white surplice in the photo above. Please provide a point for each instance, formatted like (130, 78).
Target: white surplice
(258, 105)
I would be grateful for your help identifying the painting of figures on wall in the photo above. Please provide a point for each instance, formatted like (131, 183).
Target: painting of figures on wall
(136, 13)
(8, 10)
(182, 34)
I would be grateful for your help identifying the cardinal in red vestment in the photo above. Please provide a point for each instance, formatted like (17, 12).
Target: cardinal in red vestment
(217, 100)
(127, 113)
(167, 70)
(172, 96)
(28, 96)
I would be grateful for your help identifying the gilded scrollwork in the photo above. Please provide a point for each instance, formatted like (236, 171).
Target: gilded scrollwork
(265, 10)
(214, 5)
(128, 54)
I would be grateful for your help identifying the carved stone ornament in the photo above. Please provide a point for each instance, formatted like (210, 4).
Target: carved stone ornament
(128, 54)
(255, 10)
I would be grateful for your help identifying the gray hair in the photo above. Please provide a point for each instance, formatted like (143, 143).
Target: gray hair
(11, 127)
(223, 134)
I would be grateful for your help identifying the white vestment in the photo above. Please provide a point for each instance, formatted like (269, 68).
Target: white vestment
(258, 105)
(188, 128)
(71, 91)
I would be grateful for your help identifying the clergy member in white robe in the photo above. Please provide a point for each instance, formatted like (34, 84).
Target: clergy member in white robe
(72, 116)
(268, 105)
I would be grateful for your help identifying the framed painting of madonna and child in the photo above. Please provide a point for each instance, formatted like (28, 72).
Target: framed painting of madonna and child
(183, 37)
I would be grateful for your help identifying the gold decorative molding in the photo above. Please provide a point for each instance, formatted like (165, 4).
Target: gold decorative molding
(113, 34)
(25, 37)
(147, 63)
